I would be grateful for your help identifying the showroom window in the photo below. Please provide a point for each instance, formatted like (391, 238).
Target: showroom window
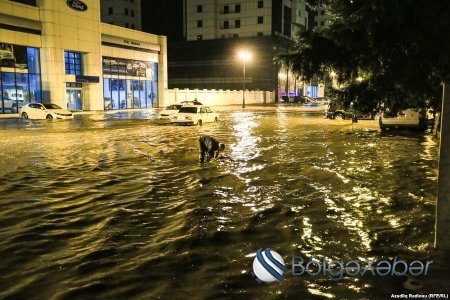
(20, 80)
(129, 83)
(73, 63)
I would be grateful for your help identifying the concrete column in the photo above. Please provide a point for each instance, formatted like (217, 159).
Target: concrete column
(162, 71)
(442, 230)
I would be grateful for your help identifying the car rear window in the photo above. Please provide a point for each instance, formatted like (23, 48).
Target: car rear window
(189, 110)
(173, 107)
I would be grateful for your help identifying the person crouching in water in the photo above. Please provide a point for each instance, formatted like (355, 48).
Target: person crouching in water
(210, 147)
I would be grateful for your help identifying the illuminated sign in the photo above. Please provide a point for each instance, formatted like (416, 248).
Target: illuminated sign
(77, 5)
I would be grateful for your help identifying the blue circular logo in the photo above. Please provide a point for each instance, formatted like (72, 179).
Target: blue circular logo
(268, 266)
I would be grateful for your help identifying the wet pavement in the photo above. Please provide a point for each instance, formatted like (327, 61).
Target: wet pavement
(116, 206)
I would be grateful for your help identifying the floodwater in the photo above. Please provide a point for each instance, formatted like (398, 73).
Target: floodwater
(117, 207)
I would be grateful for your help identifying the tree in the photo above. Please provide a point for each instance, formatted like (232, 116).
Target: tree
(400, 49)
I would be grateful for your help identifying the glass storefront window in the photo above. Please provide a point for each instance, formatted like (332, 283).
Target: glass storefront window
(148, 93)
(33, 60)
(20, 79)
(129, 83)
(142, 97)
(35, 88)
(22, 89)
(107, 97)
(135, 94)
(10, 95)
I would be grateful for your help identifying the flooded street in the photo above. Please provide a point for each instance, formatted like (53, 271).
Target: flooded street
(117, 206)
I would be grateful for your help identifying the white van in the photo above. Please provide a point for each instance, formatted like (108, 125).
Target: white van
(408, 118)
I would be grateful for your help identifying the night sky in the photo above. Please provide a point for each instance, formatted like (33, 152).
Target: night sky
(163, 18)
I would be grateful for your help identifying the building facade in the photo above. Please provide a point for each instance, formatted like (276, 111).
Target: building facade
(214, 31)
(320, 17)
(206, 20)
(125, 13)
(60, 52)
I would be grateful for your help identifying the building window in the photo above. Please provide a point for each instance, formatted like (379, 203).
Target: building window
(226, 24)
(226, 9)
(235, 35)
(199, 8)
(260, 33)
(199, 37)
(260, 20)
(199, 23)
(132, 13)
(237, 23)
(110, 11)
(127, 25)
(237, 8)
(126, 11)
(129, 83)
(260, 4)
(73, 62)
(20, 79)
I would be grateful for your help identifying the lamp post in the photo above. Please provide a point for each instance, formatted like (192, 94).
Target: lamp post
(244, 56)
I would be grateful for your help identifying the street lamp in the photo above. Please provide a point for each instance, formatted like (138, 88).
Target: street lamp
(244, 56)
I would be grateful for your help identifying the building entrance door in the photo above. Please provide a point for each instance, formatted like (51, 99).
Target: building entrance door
(74, 99)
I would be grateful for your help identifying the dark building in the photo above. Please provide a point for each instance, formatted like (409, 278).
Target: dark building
(204, 38)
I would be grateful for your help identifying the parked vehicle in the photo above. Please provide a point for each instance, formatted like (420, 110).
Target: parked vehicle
(44, 111)
(169, 111)
(337, 112)
(194, 114)
(193, 102)
(408, 118)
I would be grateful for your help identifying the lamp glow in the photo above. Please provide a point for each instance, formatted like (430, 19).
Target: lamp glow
(245, 56)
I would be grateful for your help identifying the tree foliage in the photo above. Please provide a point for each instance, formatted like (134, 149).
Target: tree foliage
(399, 48)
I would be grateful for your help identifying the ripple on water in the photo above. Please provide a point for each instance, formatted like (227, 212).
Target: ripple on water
(119, 207)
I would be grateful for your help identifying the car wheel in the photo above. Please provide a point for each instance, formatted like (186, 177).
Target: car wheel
(49, 117)
(216, 119)
(200, 122)
(339, 116)
(24, 115)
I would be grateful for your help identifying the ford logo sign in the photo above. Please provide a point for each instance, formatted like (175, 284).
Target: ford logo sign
(77, 5)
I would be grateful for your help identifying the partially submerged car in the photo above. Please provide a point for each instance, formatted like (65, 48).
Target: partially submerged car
(44, 111)
(336, 111)
(193, 115)
(409, 118)
(170, 110)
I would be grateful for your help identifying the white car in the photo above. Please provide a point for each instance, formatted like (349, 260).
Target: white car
(194, 114)
(168, 111)
(408, 118)
(44, 111)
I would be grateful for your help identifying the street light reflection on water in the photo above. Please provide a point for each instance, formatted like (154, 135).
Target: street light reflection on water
(108, 207)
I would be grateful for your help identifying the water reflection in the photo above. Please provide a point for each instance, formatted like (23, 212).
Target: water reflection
(117, 206)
